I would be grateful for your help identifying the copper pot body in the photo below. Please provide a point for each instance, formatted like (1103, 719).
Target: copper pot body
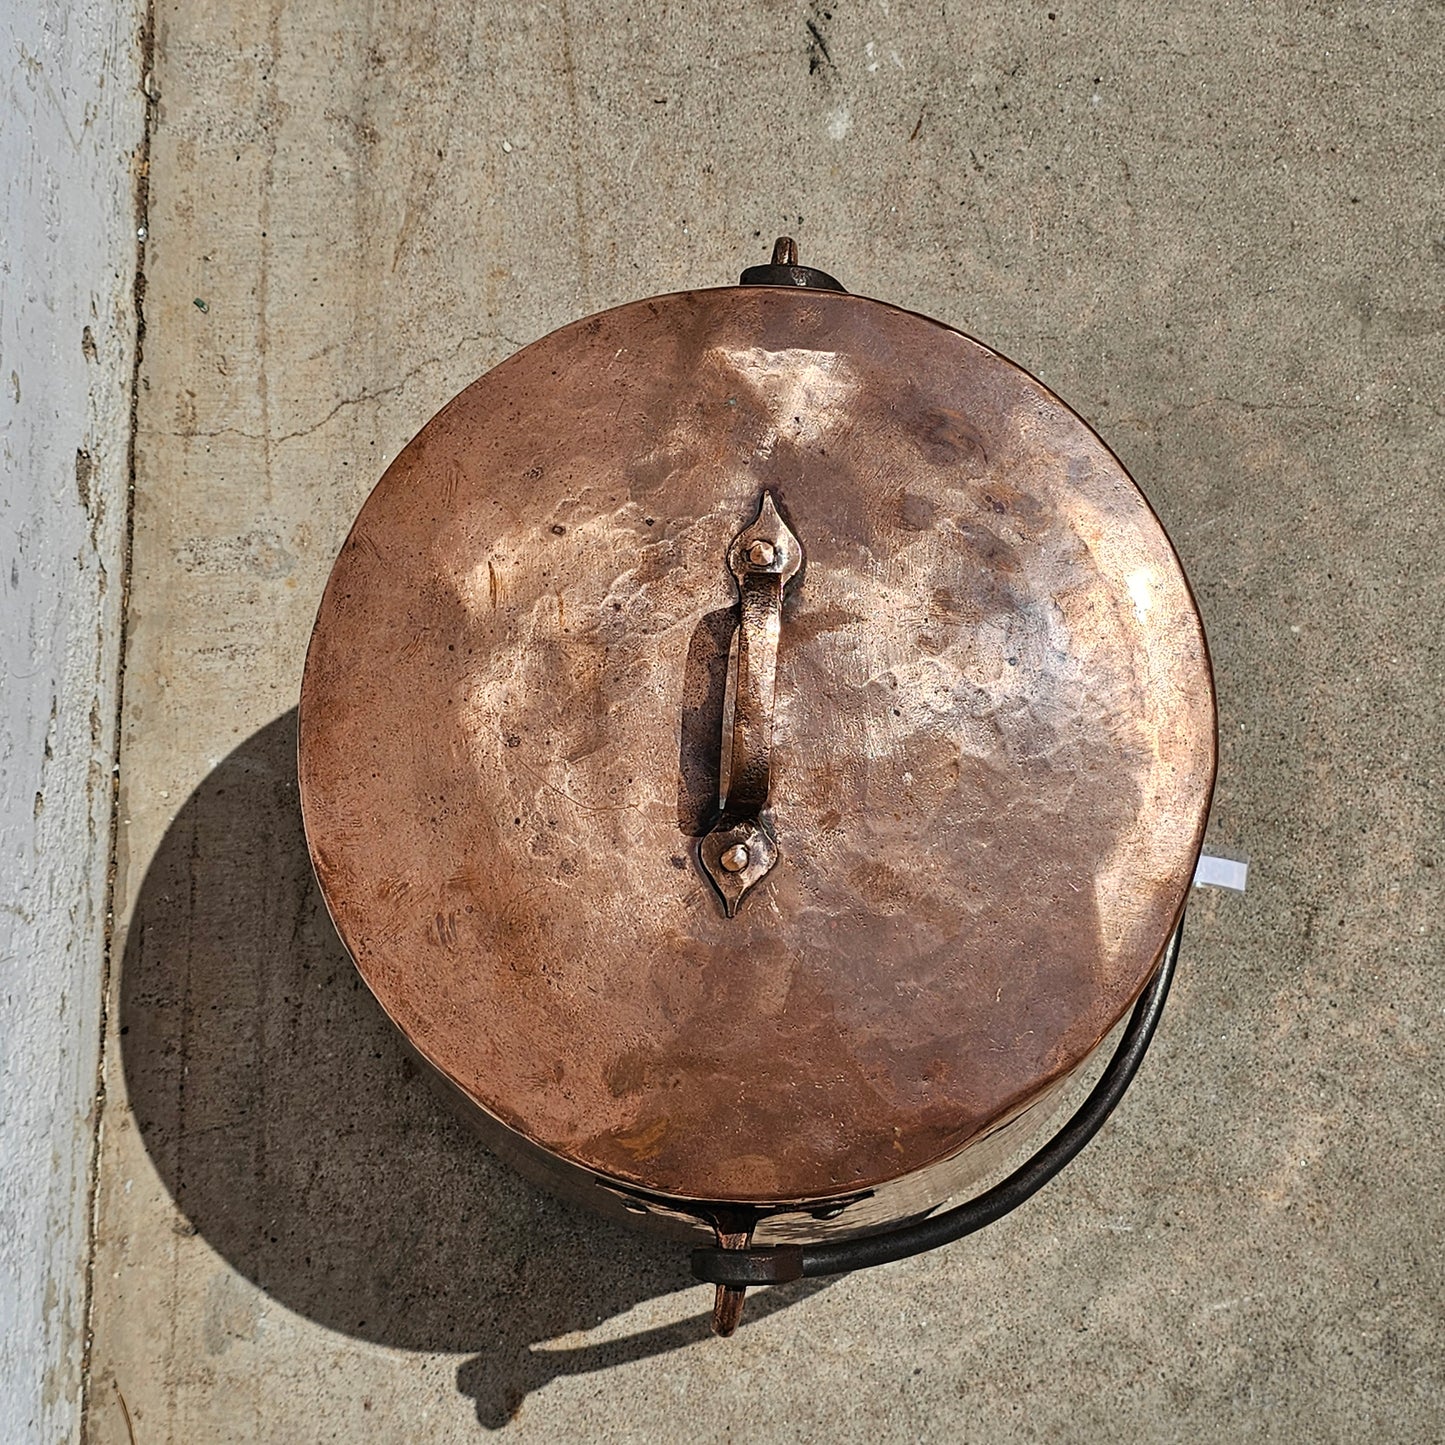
(993, 749)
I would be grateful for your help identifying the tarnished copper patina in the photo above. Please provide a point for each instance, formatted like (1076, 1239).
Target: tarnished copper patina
(532, 743)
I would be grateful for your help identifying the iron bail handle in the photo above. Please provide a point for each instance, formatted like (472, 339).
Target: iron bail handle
(741, 850)
(741, 1268)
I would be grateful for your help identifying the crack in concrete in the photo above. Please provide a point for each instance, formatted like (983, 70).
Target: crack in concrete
(369, 394)
(141, 161)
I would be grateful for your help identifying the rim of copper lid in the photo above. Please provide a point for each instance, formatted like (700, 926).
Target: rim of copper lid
(641, 1178)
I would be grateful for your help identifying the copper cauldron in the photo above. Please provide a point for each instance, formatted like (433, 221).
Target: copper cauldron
(756, 743)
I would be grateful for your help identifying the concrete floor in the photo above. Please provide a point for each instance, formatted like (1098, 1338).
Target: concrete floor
(1218, 231)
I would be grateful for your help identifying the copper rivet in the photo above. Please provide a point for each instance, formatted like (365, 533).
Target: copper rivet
(760, 553)
(736, 858)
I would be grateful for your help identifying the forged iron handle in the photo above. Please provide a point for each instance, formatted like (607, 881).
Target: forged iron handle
(741, 850)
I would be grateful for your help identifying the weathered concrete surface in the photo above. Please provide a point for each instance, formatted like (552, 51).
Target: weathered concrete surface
(1218, 232)
(70, 122)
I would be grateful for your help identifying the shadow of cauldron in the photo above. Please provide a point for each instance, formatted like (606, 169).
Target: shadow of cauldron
(297, 1137)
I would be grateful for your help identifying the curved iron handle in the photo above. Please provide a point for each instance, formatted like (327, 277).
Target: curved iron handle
(741, 850)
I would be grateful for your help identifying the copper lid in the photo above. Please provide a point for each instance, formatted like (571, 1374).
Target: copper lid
(980, 702)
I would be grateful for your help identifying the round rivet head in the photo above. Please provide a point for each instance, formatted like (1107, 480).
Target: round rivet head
(735, 859)
(761, 553)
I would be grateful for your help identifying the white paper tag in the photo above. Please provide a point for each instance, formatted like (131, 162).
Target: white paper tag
(1215, 872)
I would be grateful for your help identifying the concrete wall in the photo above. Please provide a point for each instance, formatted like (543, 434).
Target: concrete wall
(72, 124)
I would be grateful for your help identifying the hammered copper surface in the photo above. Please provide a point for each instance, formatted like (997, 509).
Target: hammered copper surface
(992, 760)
